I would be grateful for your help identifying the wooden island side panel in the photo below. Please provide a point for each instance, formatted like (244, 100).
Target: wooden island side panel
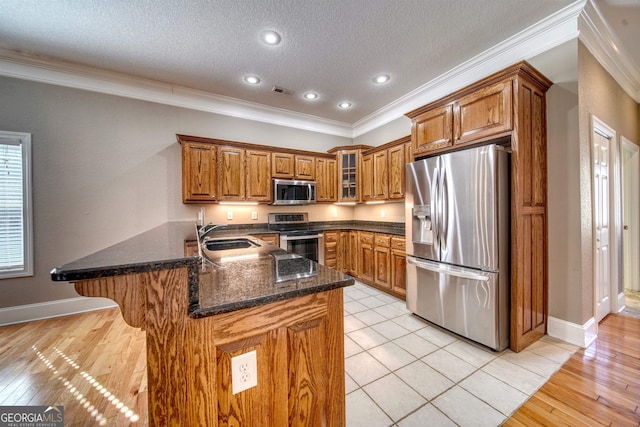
(298, 343)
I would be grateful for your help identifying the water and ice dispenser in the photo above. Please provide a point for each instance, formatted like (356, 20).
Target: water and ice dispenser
(422, 227)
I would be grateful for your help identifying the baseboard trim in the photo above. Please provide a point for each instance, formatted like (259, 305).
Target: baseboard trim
(49, 309)
(573, 333)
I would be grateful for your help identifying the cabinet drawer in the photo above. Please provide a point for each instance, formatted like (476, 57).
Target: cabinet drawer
(366, 237)
(330, 236)
(398, 243)
(383, 240)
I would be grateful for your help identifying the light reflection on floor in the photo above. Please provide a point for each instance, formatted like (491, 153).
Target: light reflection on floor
(83, 400)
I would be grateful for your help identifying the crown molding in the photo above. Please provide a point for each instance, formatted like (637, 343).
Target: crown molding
(42, 70)
(604, 45)
(552, 31)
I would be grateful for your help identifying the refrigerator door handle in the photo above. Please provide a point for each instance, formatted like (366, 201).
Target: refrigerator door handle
(435, 216)
(444, 270)
(444, 220)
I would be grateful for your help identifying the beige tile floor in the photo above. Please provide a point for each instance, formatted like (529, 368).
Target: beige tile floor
(401, 371)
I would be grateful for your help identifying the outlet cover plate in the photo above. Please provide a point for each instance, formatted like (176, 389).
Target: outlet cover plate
(244, 372)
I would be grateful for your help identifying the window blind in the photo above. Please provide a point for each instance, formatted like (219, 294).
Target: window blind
(12, 213)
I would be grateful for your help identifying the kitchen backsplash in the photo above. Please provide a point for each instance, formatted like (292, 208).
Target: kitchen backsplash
(242, 214)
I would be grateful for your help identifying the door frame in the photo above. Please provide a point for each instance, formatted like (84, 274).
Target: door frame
(627, 146)
(615, 216)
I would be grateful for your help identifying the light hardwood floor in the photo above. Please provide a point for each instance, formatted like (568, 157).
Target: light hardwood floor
(94, 365)
(598, 386)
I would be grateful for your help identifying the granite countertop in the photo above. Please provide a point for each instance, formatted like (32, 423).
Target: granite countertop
(242, 280)
(222, 284)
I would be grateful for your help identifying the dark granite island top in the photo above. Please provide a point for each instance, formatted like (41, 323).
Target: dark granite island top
(229, 283)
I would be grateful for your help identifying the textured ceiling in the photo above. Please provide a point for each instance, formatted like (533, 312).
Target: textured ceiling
(332, 47)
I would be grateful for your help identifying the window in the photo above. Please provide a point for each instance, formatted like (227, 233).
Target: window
(16, 229)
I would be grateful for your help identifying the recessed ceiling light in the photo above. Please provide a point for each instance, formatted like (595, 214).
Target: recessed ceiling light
(310, 96)
(270, 37)
(344, 105)
(251, 79)
(382, 78)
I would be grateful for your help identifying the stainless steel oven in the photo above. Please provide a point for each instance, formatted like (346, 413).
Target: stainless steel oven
(296, 236)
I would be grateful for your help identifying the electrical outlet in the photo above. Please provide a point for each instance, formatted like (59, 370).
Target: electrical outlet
(382, 213)
(244, 372)
(229, 214)
(254, 214)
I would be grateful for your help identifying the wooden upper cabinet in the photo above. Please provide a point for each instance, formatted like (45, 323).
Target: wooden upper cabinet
(198, 172)
(326, 180)
(244, 175)
(305, 167)
(397, 161)
(348, 175)
(366, 177)
(432, 130)
(381, 175)
(258, 174)
(282, 165)
(483, 113)
(231, 171)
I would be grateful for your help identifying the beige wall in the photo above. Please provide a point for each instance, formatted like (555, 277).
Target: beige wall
(107, 168)
(599, 94)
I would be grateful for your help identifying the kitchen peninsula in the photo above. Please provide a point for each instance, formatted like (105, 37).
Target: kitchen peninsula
(198, 315)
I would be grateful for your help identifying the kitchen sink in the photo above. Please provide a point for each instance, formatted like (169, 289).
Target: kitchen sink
(227, 244)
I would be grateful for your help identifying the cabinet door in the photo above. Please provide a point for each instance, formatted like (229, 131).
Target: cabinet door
(397, 161)
(432, 130)
(231, 173)
(342, 262)
(348, 179)
(366, 177)
(380, 176)
(353, 253)
(483, 113)
(282, 165)
(198, 172)
(305, 168)
(321, 179)
(382, 260)
(259, 176)
(365, 256)
(398, 265)
(331, 179)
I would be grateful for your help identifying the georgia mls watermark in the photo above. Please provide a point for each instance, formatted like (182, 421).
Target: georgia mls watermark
(31, 416)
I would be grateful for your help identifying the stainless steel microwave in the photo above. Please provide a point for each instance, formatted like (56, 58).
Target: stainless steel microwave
(289, 192)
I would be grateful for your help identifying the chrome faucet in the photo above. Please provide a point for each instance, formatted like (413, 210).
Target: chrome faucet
(206, 229)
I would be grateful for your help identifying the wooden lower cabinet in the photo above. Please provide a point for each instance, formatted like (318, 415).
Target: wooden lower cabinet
(398, 266)
(365, 256)
(382, 260)
(299, 345)
(331, 248)
(376, 259)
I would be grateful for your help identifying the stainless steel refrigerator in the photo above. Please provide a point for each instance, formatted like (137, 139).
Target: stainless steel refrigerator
(457, 237)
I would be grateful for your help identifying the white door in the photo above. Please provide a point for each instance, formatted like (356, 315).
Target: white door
(631, 214)
(601, 224)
